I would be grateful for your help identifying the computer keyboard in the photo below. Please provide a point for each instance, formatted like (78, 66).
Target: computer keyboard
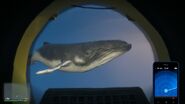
(130, 95)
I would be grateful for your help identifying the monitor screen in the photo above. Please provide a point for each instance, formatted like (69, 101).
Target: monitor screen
(88, 27)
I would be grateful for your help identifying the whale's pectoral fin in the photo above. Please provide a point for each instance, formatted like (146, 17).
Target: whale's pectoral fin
(55, 68)
(65, 63)
(45, 71)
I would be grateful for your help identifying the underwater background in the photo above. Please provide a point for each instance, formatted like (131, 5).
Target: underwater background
(76, 25)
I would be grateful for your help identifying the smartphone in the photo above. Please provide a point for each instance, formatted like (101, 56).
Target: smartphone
(165, 82)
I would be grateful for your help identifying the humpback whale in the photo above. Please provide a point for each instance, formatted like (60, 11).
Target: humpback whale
(78, 57)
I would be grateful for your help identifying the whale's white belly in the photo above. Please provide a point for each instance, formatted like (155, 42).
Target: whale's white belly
(75, 68)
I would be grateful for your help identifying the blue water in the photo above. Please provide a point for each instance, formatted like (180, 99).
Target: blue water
(80, 25)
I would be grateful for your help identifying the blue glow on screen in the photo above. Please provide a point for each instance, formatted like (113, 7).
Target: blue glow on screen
(166, 84)
(82, 25)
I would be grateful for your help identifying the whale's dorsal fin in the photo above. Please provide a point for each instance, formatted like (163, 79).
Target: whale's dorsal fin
(46, 43)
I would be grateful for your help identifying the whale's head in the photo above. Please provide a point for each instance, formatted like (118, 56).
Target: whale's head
(112, 46)
(104, 51)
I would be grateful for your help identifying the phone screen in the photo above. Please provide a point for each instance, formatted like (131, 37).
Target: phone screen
(165, 82)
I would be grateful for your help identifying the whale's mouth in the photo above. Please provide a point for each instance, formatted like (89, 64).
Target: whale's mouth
(107, 56)
(129, 46)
